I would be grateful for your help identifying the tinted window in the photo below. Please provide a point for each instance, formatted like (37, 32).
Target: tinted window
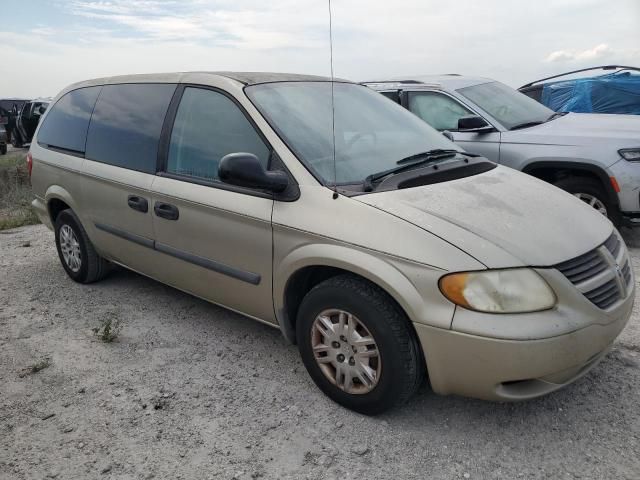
(209, 126)
(392, 96)
(439, 111)
(126, 125)
(510, 107)
(66, 124)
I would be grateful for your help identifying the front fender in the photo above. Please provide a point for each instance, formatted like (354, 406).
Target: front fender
(412, 286)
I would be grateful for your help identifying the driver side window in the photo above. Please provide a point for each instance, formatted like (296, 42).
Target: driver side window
(440, 111)
(207, 127)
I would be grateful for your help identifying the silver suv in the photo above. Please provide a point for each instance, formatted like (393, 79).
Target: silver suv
(596, 157)
(384, 254)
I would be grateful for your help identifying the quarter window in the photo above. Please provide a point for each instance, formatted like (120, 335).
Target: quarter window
(439, 111)
(66, 124)
(126, 125)
(207, 127)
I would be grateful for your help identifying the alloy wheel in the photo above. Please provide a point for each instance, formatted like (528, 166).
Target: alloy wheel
(592, 201)
(70, 248)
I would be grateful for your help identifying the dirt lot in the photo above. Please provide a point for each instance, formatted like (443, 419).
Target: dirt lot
(192, 391)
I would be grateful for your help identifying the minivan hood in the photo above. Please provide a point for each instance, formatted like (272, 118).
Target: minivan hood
(582, 129)
(503, 218)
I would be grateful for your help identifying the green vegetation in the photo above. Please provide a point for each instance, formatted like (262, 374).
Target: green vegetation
(36, 367)
(15, 192)
(109, 330)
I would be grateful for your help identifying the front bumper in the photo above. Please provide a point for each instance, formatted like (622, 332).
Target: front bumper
(507, 370)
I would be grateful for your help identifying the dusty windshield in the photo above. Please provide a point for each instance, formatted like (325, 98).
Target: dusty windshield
(510, 107)
(371, 132)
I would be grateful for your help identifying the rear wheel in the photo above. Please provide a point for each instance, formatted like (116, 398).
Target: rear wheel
(3, 149)
(591, 192)
(77, 254)
(358, 346)
(15, 140)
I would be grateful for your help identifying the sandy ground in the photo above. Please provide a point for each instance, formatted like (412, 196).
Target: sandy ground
(192, 391)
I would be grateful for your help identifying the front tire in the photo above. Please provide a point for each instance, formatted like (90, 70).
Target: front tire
(77, 254)
(358, 346)
(591, 192)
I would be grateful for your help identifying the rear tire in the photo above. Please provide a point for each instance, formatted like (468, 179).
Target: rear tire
(77, 254)
(591, 192)
(3, 150)
(15, 140)
(392, 358)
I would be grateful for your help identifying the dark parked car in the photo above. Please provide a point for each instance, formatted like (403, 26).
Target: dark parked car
(27, 121)
(3, 140)
(9, 109)
(617, 91)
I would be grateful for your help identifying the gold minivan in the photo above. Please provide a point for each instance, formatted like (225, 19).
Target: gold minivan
(386, 252)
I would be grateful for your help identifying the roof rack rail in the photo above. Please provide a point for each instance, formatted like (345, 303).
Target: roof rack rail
(601, 67)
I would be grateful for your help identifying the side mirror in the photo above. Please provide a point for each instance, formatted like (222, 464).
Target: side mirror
(473, 123)
(42, 109)
(245, 170)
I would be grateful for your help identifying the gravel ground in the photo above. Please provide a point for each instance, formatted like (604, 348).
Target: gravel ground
(192, 391)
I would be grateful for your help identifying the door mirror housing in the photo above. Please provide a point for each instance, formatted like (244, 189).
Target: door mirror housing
(473, 123)
(245, 170)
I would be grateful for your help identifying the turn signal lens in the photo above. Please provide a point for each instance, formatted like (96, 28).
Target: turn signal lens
(499, 291)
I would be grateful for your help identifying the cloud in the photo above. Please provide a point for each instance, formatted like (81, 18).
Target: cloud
(79, 39)
(599, 51)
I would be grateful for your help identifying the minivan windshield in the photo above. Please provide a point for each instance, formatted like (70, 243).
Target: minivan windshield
(508, 106)
(371, 133)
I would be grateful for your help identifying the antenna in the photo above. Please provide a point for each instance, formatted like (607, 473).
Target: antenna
(333, 111)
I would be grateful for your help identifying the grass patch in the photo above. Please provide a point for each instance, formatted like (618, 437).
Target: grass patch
(109, 329)
(15, 192)
(36, 367)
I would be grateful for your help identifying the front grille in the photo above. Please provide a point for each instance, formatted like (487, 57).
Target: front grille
(603, 275)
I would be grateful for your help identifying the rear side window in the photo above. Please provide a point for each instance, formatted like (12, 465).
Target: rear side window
(126, 125)
(66, 124)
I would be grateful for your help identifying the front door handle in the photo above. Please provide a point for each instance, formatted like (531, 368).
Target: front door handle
(138, 203)
(166, 211)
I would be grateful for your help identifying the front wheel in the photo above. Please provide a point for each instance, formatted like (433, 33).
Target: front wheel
(358, 346)
(590, 192)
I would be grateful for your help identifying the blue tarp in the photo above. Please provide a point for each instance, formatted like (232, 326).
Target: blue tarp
(613, 93)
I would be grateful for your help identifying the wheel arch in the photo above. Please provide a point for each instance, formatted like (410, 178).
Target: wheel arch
(553, 170)
(57, 199)
(309, 265)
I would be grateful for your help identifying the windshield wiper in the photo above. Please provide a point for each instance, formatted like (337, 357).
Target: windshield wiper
(526, 125)
(412, 161)
(553, 116)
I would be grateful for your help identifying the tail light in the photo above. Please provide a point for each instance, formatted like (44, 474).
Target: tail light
(29, 163)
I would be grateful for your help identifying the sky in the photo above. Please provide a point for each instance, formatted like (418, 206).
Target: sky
(48, 44)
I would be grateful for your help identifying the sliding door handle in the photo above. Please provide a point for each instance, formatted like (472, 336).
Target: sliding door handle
(138, 203)
(166, 211)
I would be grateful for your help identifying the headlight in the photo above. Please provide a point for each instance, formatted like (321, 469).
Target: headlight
(631, 154)
(499, 291)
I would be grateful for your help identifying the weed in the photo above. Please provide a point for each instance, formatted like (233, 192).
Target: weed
(109, 329)
(15, 192)
(36, 367)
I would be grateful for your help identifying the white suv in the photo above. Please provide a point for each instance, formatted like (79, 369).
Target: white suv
(594, 156)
